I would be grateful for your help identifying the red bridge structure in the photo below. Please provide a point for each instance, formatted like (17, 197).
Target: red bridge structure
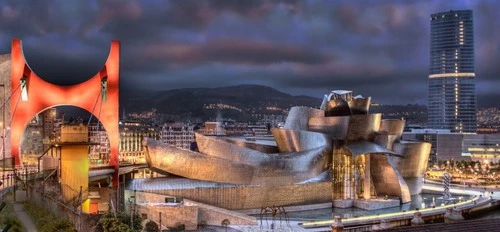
(31, 95)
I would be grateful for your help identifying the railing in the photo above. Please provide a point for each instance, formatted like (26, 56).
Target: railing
(474, 202)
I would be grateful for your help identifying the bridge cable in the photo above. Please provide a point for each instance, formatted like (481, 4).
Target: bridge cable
(98, 126)
(93, 109)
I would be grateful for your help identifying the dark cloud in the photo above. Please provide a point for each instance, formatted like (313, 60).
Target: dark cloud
(377, 48)
(232, 51)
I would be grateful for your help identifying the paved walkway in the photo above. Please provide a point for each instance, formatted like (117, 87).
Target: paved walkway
(25, 219)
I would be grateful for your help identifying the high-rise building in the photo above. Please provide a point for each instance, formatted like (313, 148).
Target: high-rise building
(452, 82)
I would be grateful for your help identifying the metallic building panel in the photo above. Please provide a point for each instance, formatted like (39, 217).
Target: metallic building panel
(360, 105)
(414, 161)
(386, 140)
(392, 126)
(166, 159)
(415, 184)
(235, 197)
(216, 147)
(295, 141)
(364, 147)
(363, 127)
(336, 127)
(387, 179)
(252, 145)
(337, 107)
(298, 117)
(229, 163)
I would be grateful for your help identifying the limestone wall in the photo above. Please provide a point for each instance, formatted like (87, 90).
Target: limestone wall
(255, 197)
(171, 216)
(190, 213)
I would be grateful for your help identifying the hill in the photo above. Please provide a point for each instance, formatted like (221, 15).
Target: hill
(242, 102)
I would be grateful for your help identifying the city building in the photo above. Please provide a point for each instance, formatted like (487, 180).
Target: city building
(273, 120)
(49, 126)
(32, 143)
(132, 133)
(482, 147)
(446, 145)
(98, 154)
(177, 134)
(452, 78)
(213, 128)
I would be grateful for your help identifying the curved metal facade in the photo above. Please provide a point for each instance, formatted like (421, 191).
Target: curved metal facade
(387, 179)
(335, 127)
(360, 105)
(360, 153)
(392, 126)
(337, 107)
(363, 127)
(298, 117)
(295, 141)
(224, 162)
(413, 164)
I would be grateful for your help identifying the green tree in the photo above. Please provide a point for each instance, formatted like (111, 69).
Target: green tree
(151, 226)
(125, 218)
(108, 223)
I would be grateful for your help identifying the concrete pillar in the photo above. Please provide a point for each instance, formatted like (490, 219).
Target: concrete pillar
(456, 215)
(417, 219)
(367, 181)
(337, 225)
(447, 215)
(384, 224)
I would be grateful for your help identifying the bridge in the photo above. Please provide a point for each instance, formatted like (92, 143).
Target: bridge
(26, 95)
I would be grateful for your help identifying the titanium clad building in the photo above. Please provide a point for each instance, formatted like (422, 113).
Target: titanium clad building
(452, 83)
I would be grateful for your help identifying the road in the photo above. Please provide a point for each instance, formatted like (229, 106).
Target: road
(25, 219)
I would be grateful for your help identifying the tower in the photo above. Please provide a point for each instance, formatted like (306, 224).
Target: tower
(452, 82)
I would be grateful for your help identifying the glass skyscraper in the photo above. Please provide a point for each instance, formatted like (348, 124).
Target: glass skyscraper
(452, 81)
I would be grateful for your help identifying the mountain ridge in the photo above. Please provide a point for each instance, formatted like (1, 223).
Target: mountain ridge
(242, 103)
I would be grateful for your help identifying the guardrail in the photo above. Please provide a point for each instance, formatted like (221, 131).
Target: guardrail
(375, 219)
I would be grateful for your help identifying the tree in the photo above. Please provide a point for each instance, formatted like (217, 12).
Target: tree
(151, 226)
(108, 223)
(125, 219)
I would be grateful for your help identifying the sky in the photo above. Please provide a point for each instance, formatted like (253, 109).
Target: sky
(377, 48)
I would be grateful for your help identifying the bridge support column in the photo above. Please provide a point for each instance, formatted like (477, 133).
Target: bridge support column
(337, 225)
(417, 219)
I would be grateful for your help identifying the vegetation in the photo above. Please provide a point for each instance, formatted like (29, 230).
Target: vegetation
(46, 221)
(151, 226)
(7, 216)
(110, 223)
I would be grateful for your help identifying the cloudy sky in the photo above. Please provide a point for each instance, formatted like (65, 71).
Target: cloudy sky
(377, 48)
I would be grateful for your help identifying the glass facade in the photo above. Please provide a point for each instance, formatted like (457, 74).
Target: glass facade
(452, 83)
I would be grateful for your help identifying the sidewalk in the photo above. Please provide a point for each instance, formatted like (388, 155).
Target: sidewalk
(25, 219)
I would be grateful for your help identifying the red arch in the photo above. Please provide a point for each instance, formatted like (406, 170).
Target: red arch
(42, 95)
